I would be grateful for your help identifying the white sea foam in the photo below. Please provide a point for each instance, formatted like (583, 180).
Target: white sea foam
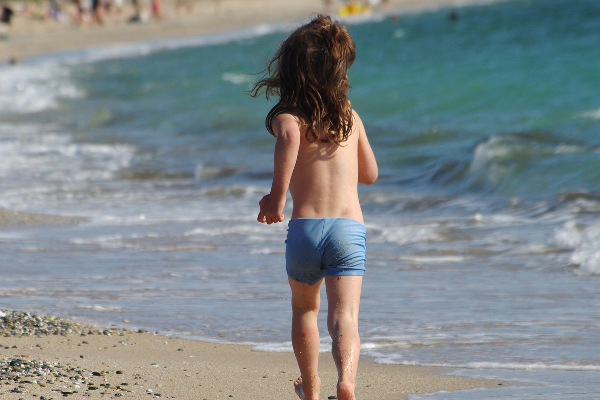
(532, 366)
(593, 114)
(498, 157)
(97, 240)
(533, 249)
(285, 347)
(535, 366)
(500, 219)
(568, 149)
(407, 234)
(35, 87)
(237, 78)
(585, 240)
(432, 260)
(238, 228)
(325, 346)
(33, 150)
(399, 33)
(101, 308)
(265, 250)
(52, 164)
(486, 156)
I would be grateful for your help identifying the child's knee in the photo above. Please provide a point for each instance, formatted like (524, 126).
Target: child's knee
(341, 323)
(304, 306)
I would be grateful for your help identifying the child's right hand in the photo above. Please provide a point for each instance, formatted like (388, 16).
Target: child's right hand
(271, 209)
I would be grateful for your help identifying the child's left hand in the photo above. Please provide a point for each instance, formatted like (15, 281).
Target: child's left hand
(271, 209)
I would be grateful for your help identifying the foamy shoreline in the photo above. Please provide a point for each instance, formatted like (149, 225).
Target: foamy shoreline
(66, 358)
(28, 37)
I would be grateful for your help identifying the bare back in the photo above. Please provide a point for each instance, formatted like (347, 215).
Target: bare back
(325, 178)
(322, 177)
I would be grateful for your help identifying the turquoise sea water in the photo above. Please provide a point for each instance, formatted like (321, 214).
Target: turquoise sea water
(483, 228)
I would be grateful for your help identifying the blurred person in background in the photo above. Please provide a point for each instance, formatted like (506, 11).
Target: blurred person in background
(96, 17)
(157, 9)
(6, 14)
(5, 17)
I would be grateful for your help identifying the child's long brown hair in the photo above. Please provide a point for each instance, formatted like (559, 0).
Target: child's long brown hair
(308, 73)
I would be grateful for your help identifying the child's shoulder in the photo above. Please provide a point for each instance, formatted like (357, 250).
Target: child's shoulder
(288, 121)
(288, 115)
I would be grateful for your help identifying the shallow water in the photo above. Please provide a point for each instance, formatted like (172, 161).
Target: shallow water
(483, 228)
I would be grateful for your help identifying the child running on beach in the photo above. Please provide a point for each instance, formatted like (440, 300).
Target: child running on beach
(321, 154)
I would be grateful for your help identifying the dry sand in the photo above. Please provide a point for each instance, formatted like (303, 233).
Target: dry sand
(107, 363)
(31, 33)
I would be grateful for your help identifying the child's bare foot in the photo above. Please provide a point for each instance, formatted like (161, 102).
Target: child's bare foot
(345, 391)
(298, 388)
(311, 392)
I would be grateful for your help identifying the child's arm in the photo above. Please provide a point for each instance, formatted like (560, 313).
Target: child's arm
(286, 128)
(367, 165)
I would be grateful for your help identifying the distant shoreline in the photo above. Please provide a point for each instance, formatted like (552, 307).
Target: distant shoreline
(31, 34)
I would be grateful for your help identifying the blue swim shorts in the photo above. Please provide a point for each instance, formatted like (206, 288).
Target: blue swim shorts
(317, 247)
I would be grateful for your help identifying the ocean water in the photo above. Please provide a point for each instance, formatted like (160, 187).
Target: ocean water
(483, 228)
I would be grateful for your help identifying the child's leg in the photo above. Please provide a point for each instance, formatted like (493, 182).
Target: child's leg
(343, 298)
(306, 301)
